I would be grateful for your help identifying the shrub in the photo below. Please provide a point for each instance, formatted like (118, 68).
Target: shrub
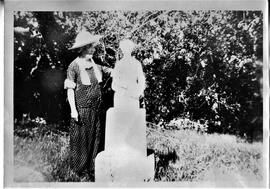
(205, 64)
(184, 123)
(38, 127)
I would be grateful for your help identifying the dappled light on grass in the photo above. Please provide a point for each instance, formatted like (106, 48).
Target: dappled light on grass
(200, 155)
(181, 155)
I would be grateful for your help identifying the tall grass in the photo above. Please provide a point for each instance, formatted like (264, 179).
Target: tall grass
(181, 155)
(206, 157)
(47, 154)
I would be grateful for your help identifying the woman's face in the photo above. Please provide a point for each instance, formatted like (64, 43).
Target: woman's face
(91, 49)
(88, 50)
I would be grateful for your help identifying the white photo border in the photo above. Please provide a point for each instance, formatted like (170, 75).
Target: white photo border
(63, 5)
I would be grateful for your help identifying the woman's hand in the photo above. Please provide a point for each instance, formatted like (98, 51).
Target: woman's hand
(71, 100)
(74, 115)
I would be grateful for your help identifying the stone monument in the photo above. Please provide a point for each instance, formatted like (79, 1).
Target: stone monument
(125, 156)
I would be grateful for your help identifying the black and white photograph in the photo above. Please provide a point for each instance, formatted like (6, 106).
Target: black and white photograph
(148, 96)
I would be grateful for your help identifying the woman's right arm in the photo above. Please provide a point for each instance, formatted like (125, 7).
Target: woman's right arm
(70, 85)
(71, 100)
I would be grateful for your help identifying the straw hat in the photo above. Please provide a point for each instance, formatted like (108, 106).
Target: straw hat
(85, 38)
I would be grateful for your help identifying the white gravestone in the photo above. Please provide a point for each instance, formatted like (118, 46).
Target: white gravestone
(125, 155)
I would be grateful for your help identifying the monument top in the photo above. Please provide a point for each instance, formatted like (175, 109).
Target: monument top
(127, 46)
(128, 77)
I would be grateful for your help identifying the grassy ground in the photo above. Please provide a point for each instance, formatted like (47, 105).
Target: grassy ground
(181, 155)
(224, 159)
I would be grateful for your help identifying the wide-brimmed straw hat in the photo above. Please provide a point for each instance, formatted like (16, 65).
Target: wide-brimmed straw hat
(85, 38)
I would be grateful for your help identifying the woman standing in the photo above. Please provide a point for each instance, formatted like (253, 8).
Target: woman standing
(84, 97)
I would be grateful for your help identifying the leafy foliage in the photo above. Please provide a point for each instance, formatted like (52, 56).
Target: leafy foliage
(200, 65)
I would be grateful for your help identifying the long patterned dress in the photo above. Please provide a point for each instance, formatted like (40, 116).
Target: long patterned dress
(84, 134)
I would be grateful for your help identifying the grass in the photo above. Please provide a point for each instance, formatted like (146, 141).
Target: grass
(46, 154)
(205, 157)
(181, 155)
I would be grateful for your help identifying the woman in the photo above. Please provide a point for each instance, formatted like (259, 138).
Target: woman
(84, 97)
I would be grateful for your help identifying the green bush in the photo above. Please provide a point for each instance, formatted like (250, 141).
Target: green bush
(204, 65)
(183, 124)
(38, 127)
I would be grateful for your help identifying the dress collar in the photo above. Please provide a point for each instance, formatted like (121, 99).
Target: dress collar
(85, 63)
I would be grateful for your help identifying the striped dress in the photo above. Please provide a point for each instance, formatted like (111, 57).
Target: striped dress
(84, 133)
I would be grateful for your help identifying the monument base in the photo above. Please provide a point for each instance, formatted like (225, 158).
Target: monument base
(124, 166)
(125, 156)
(126, 127)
